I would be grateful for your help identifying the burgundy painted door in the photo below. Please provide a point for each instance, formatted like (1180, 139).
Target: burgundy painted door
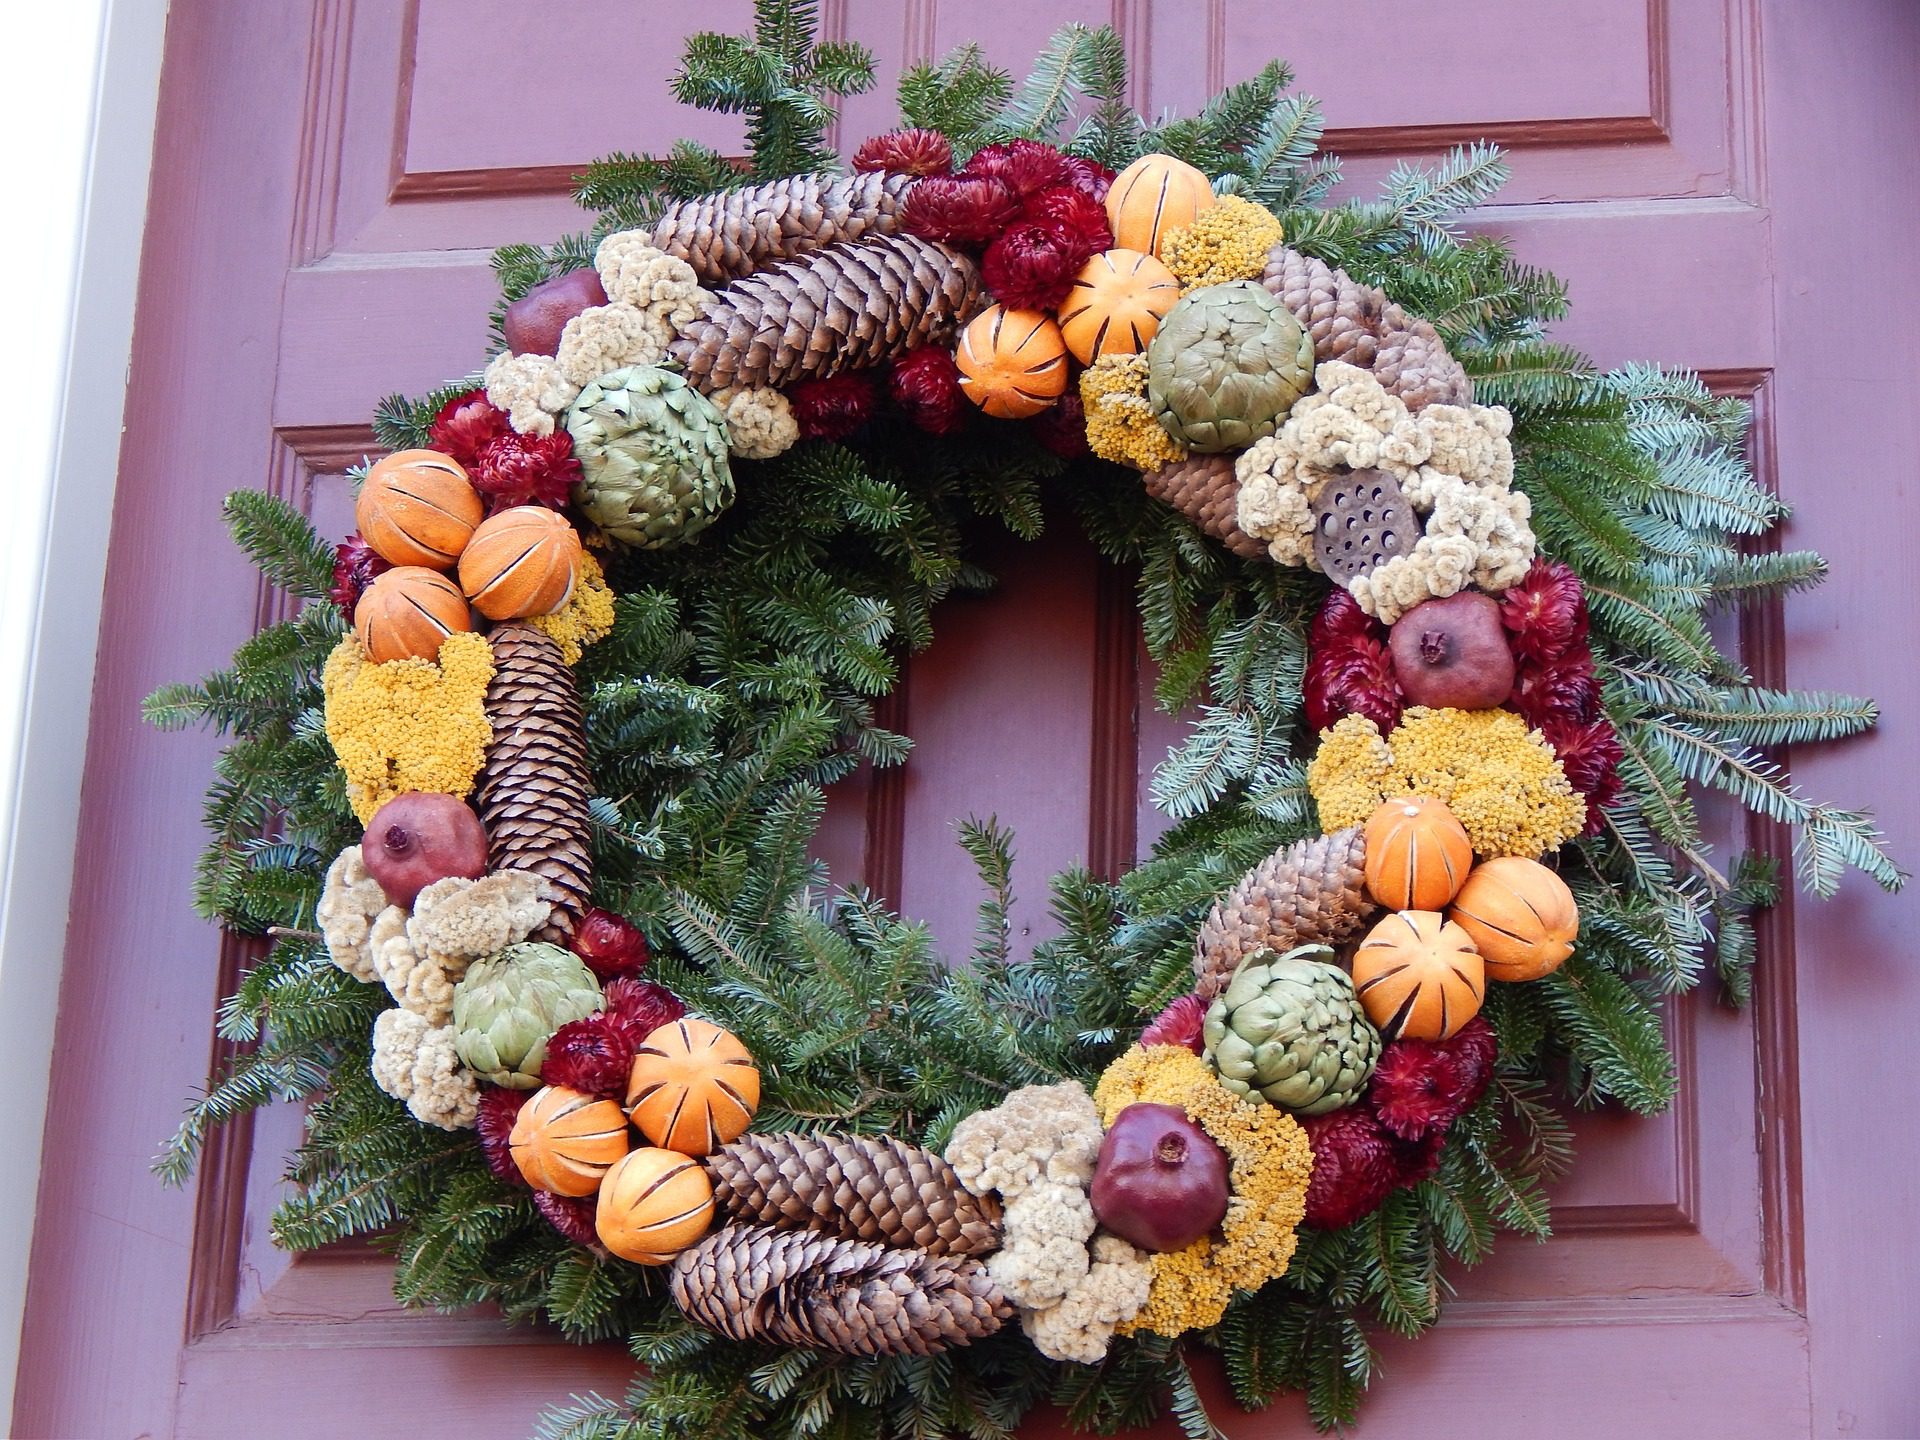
(1727, 184)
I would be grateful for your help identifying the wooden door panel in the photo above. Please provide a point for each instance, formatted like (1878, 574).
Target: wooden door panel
(577, 84)
(1000, 710)
(1626, 100)
(339, 191)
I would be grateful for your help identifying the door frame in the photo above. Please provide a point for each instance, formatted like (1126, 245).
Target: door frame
(105, 55)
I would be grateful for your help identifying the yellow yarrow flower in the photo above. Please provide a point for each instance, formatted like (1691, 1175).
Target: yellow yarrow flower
(1120, 423)
(408, 724)
(1348, 773)
(1269, 1164)
(1227, 241)
(586, 617)
(1501, 780)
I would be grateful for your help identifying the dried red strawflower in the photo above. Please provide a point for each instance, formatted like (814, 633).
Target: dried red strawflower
(355, 563)
(1415, 1089)
(1025, 166)
(958, 210)
(1545, 613)
(639, 1007)
(611, 945)
(1355, 1167)
(1082, 218)
(594, 1055)
(1088, 177)
(1032, 265)
(1590, 753)
(1349, 668)
(1062, 427)
(494, 1123)
(906, 152)
(521, 469)
(1418, 1158)
(1178, 1024)
(925, 385)
(571, 1215)
(1474, 1048)
(506, 467)
(1560, 690)
(1420, 1087)
(466, 425)
(833, 407)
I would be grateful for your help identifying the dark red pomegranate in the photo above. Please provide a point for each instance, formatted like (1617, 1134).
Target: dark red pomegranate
(1162, 1181)
(1453, 653)
(533, 323)
(416, 838)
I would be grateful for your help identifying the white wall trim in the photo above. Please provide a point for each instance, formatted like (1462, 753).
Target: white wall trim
(79, 91)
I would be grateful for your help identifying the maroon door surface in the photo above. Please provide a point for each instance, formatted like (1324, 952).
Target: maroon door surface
(1726, 184)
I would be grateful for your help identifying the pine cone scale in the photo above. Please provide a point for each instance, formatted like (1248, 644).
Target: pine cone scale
(731, 234)
(1313, 892)
(872, 1188)
(796, 1287)
(1205, 490)
(839, 308)
(1358, 324)
(533, 790)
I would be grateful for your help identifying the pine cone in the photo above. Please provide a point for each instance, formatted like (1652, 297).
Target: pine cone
(856, 1187)
(1203, 488)
(1413, 363)
(844, 308)
(729, 235)
(1358, 324)
(1312, 892)
(796, 1287)
(533, 790)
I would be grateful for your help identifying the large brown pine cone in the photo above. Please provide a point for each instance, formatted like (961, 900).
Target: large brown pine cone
(798, 1287)
(1312, 892)
(729, 235)
(858, 1187)
(1203, 488)
(846, 307)
(1358, 324)
(534, 788)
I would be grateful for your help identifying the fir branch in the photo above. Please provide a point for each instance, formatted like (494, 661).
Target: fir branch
(781, 79)
(281, 543)
(403, 424)
(1745, 579)
(1614, 1033)
(1077, 60)
(990, 848)
(958, 97)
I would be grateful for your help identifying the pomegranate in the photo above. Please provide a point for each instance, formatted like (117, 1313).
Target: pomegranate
(1453, 653)
(533, 323)
(417, 838)
(1161, 1182)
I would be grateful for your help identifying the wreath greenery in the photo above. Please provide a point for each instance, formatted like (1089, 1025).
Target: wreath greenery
(739, 679)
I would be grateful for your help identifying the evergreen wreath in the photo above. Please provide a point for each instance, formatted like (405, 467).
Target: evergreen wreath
(970, 1190)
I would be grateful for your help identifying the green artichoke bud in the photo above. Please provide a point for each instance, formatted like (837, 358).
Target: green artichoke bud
(1225, 367)
(653, 457)
(507, 1006)
(1290, 1028)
